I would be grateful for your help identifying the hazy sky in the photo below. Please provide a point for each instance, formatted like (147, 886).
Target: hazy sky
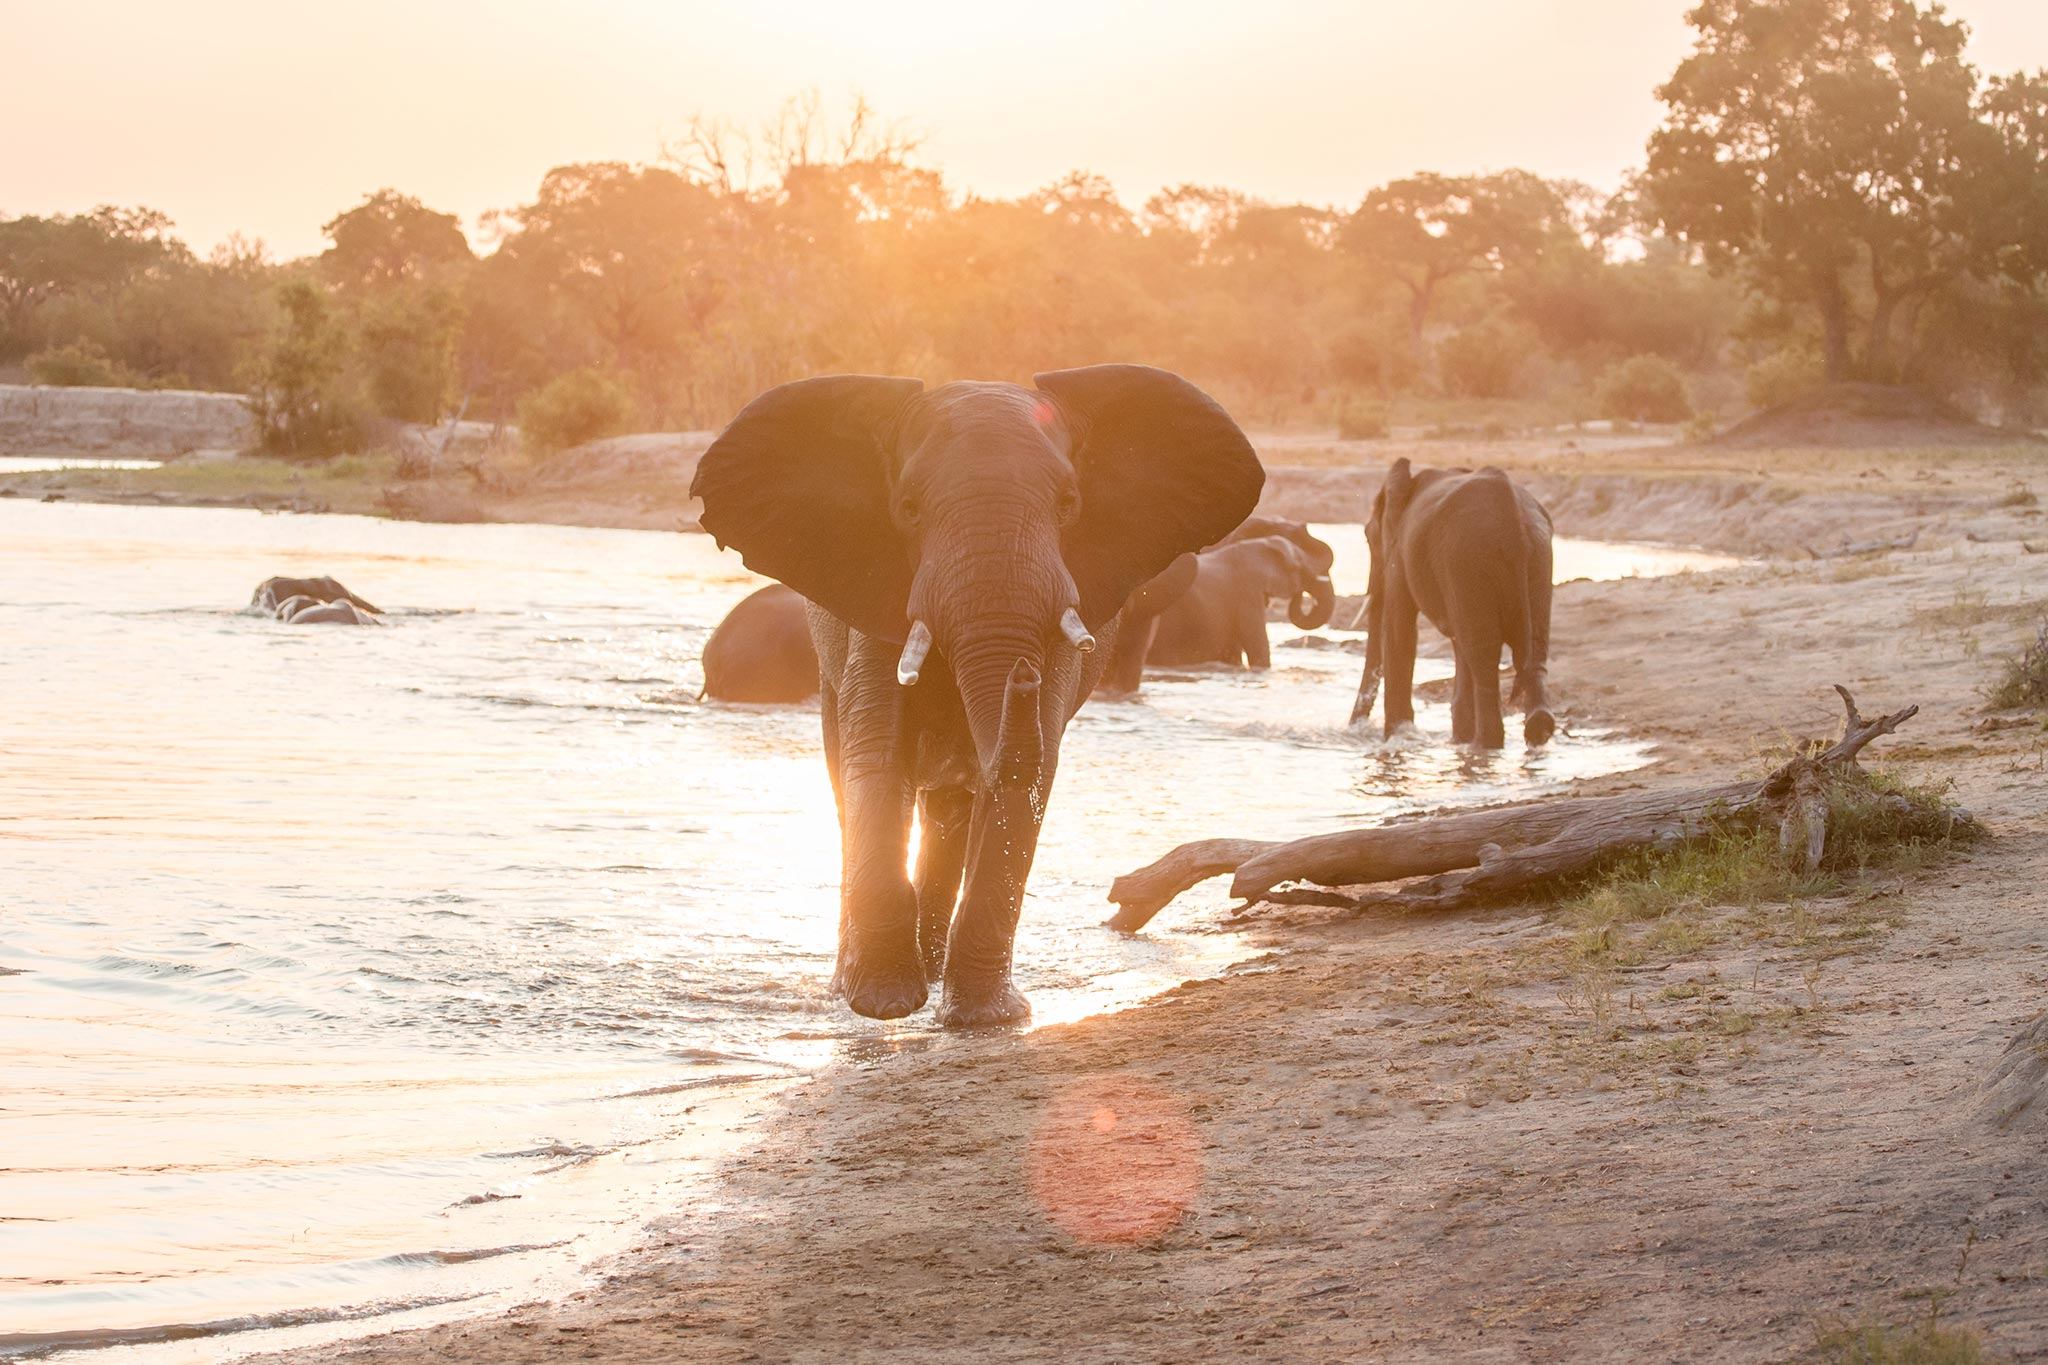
(270, 116)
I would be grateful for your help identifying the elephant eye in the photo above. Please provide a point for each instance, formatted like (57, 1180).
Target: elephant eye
(1068, 507)
(908, 510)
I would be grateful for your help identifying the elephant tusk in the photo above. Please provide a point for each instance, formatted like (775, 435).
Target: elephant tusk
(911, 663)
(1076, 633)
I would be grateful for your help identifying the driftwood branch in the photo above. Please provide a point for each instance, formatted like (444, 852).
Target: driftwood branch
(1468, 856)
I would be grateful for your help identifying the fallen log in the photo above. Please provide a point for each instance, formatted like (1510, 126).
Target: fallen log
(1470, 856)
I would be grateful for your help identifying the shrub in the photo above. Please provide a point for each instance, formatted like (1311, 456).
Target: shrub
(299, 388)
(1361, 421)
(1779, 378)
(1485, 361)
(582, 405)
(2023, 681)
(1646, 388)
(78, 365)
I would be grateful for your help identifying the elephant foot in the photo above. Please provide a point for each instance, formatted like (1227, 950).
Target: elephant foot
(1538, 727)
(983, 1005)
(883, 990)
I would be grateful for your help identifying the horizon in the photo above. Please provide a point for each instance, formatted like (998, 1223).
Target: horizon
(475, 136)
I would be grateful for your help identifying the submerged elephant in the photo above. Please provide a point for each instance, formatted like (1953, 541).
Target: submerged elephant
(762, 651)
(1222, 616)
(963, 550)
(271, 591)
(312, 602)
(1469, 549)
(1124, 670)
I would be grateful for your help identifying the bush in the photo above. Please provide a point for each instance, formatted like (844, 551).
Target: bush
(1485, 361)
(299, 389)
(79, 365)
(1779, 378)
(582, 405)
(1646, 388)
(2023, 680)
(1361, 421)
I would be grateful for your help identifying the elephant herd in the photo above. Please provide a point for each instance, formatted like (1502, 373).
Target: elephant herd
(961, 568)
(1202, 608)
(312, 602)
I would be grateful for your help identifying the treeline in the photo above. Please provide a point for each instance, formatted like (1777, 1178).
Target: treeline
(1833, 194)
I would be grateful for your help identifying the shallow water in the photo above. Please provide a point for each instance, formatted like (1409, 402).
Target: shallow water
(361, 969)
(38, 464)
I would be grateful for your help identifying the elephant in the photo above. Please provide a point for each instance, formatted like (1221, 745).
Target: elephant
(1471, 550)
(272, 591)
(1222, 616)
(1125, 668)
(1321, 597)
(761, 651)
(965, 551)
(338, 613)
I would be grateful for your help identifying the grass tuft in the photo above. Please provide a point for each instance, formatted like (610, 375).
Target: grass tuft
(2023, 681)
(1878, 1344)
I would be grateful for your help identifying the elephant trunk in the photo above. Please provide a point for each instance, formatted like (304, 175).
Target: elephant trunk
(1020, 738)
(1313, 608)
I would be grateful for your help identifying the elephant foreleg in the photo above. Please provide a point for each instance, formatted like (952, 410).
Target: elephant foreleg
(943, 817)
(1479, 682)
(1397, 656)
(1251, 635)
(879, 971)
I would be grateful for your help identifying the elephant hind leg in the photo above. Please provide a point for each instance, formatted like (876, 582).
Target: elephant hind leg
(1461, 702)
(943, 816)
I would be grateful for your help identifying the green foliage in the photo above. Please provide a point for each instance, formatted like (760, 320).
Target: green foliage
(1926, 1343)
(300, 389)
(2023, 679)
(406, 340)
(1361, 420)
(1780, 377)
(1646, 388)
(80, 364)
(1486, 360)
(582, 405)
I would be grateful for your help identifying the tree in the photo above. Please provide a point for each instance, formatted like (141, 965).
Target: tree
(1430, 228)
(1830, 149)
(392, 239)
(89, 253)
(299, 389)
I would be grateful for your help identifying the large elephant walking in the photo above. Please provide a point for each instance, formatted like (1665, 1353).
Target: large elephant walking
(1469, 549)
(962, 549)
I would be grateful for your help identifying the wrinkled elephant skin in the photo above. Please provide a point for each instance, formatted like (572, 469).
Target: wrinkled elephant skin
(967, 553)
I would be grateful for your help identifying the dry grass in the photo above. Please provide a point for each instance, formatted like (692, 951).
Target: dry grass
(2022, 680)
(1879, 1344)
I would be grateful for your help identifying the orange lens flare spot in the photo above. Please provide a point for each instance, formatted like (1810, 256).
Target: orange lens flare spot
(1115, 1161)
(1041, 413)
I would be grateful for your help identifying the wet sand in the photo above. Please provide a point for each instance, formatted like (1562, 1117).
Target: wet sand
(1412, 1138)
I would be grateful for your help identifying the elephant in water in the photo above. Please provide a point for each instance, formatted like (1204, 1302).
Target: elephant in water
(1469, 549)
(312, 602)
(762, 651)
(1313, 608)
(271, 591)
(963, 551)
(1222, 616)
(1125, 668)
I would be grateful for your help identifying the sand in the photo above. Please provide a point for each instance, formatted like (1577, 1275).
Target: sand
(1411, 1139)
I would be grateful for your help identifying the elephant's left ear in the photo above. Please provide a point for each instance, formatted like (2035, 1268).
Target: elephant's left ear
(1163, 471)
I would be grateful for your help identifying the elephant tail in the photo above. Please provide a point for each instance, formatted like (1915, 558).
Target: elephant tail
(1519, 631)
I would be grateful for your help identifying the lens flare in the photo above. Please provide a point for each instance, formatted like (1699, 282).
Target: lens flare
(1115, 1161)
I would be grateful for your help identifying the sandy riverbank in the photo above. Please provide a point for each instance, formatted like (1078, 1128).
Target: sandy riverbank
(1408, 1139)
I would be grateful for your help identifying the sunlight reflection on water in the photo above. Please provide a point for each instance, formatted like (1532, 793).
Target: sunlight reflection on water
(382, 966)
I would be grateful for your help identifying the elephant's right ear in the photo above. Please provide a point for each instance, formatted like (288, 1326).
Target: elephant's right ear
(799, 485)
(1398, 488)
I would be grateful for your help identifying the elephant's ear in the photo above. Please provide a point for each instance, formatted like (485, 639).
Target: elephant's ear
(1397, 489)
(799, 485)
(1163, 470)
(1165, 588)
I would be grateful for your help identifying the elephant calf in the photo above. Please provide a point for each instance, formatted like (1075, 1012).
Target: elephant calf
(1222, 616)
(762, 651)
(1469, 549)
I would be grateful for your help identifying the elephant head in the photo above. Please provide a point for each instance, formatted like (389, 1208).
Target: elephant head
(1392, 499)
(988, 521)
(1316, 602)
